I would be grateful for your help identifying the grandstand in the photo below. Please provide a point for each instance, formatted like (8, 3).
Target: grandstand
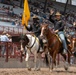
(10, 20)
(6, 20)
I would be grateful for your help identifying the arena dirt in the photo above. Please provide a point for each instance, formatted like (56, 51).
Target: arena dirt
(43, 71)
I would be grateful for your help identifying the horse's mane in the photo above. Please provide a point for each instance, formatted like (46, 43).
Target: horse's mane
(51, 30)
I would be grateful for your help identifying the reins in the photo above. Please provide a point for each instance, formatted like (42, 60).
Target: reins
(32, 44)
(51, 38)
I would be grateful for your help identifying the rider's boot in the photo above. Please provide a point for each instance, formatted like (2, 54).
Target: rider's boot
(64, 51)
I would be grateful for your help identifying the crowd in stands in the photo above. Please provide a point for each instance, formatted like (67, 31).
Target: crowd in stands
(7, 14)
(69, 17)
(37, 8)
(9, 2)
(9, 11)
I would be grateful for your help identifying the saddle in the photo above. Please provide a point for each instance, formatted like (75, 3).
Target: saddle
(58, 37)
(66, 39)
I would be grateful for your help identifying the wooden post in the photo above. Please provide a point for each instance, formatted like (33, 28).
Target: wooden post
(21, 57)
(6, 45)
(18, 30)
(21, 3)
(15, 51)
(0, 49)
(45, 6)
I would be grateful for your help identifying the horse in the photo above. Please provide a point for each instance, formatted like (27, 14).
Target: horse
(54, 45)
(72, 47)
(73, 43)
(31, 44)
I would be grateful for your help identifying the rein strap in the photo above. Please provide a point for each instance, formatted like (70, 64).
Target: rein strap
(32, 44)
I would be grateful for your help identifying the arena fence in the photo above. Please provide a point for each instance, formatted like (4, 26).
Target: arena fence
(12, 50)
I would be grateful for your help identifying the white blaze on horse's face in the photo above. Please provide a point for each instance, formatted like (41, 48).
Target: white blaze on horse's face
(42, 32)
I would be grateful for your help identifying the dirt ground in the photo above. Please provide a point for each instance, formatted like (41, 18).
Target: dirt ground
(43, 71)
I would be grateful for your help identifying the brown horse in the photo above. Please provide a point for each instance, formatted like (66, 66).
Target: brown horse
(54, 44)
(72, 44)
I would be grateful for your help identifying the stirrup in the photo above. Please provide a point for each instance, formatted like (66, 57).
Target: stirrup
(64, 51)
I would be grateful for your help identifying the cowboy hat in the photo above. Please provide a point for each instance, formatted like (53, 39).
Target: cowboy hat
(4, 32)
(58, 13)
(8, 35)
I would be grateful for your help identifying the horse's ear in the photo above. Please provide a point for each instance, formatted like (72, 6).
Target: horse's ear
(41, 24)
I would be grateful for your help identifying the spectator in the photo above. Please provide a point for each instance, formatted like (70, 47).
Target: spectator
(17, 23)
(3, 7)
(10, 38)
(20, 15)
(13, 22)
(4, 39)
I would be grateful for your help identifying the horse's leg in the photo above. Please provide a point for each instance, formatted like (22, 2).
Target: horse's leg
(69, 55)
(27, 60)
(64, 56)
(73, 42)
(35, 60)
(66, 61)
(49, 60)
(53, 60)
(39, 61)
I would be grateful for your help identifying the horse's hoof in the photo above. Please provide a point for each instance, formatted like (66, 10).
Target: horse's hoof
(36, 69)
(66, 66)
(51, 70)
(56, 66)
(29, 69)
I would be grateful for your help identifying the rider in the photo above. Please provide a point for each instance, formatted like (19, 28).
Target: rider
(35, 28)
(59, 28)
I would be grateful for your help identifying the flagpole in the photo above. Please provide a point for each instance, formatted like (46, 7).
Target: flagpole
(26, 14)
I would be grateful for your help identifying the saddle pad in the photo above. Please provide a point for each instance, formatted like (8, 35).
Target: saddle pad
(58, 38)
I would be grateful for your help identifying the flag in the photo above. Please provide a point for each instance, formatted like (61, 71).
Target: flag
(26, 13)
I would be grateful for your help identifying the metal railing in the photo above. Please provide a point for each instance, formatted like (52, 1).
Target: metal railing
(12, 30)
(13, 47)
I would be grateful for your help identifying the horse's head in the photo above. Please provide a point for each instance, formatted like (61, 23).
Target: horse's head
(44, 30)
(24, 41)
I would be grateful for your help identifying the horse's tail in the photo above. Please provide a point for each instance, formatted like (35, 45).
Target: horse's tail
(46, 59)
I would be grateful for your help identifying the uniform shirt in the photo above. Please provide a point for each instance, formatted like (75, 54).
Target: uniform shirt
(58, 24)
(34, 28)
(4, 38)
